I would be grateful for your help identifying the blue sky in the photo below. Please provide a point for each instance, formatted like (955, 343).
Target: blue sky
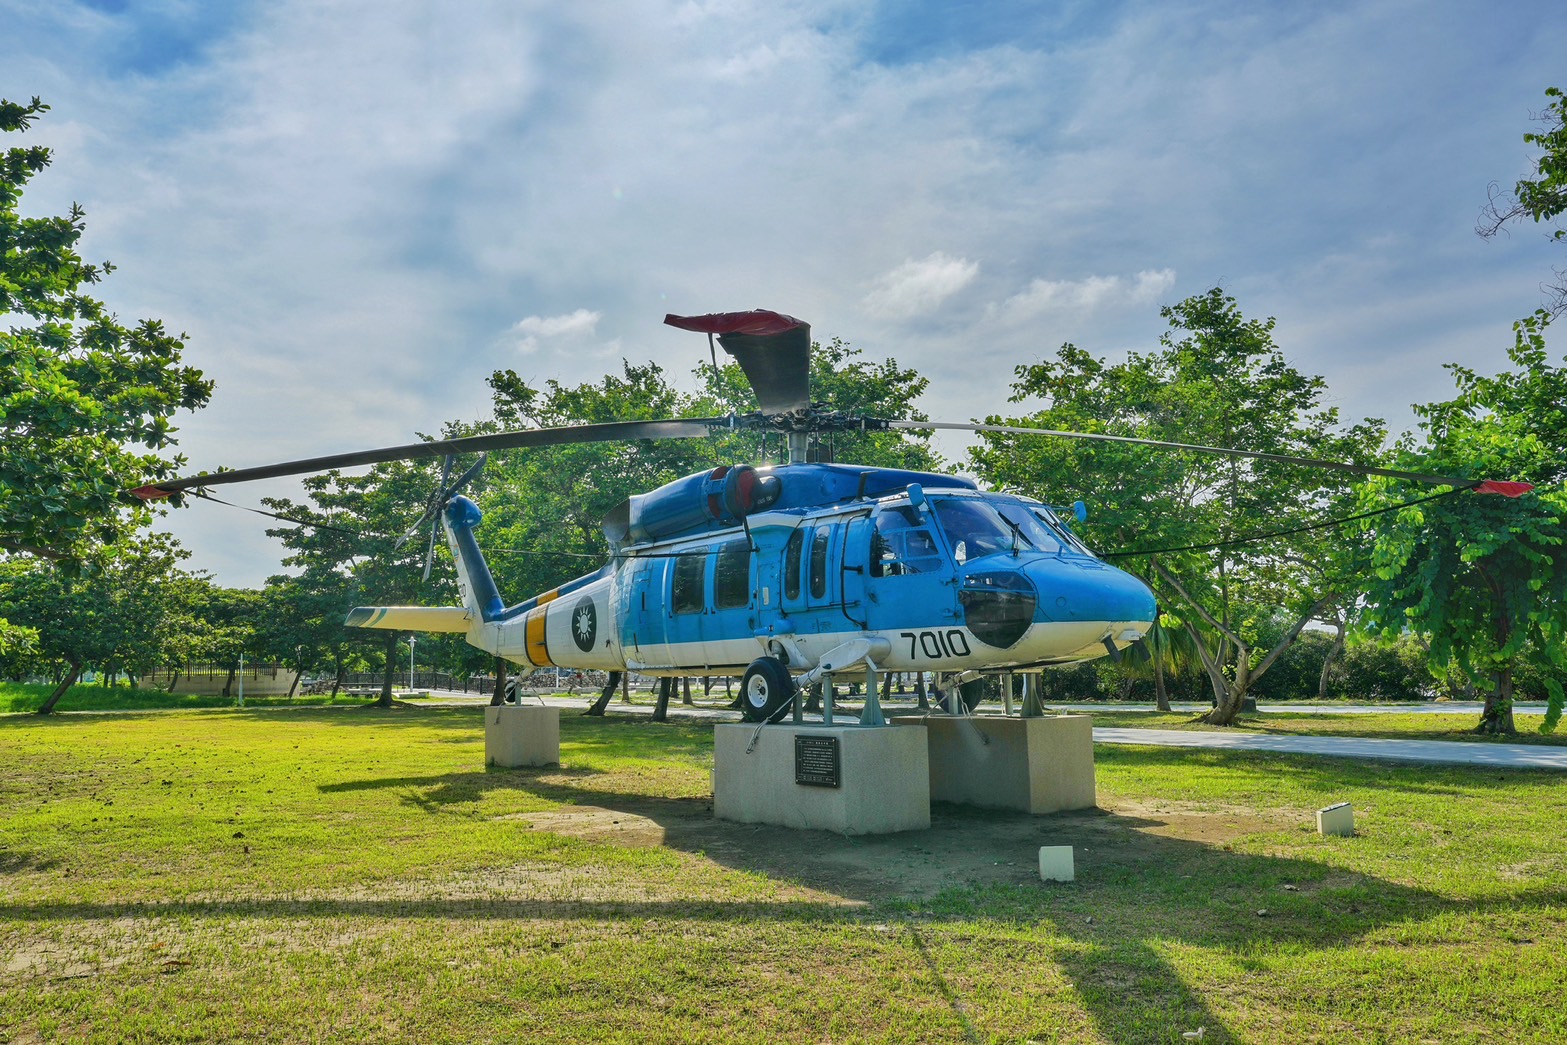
(357, 209)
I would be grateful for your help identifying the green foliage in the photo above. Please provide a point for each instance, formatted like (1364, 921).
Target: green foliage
(85, 402)
(113, 616)
(1393, 671)
(1542, 198)
(1484, 577)
(344, 546)
(1217, 379)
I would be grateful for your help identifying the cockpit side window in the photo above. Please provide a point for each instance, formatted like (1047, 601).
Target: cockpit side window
(901, 543)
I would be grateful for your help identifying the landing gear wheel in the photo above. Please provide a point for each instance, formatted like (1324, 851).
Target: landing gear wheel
(765, 690)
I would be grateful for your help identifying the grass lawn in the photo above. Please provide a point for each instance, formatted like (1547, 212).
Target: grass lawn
(356, 874)
(20, 696)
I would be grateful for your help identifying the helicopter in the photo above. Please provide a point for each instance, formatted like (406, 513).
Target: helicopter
(790, 574)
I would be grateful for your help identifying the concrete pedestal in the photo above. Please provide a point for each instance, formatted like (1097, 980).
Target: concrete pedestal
(884, 779)
(521, 735)
(1038, 765)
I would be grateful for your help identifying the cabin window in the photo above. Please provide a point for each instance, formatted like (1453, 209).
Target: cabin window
(819, 562)
(794, 554)
(690, 580)
(732, 579)
(902, 543)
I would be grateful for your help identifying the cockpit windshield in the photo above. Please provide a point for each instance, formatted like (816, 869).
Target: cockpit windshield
(978, 527)
(1050, 519)
(974, 528)
(1041, 537)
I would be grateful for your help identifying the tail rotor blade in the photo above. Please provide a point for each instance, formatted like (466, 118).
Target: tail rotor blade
(434, 516)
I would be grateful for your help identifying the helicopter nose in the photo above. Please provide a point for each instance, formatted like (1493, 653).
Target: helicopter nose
(1072, 589)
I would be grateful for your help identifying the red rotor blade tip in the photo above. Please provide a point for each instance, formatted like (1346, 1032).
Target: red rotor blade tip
(151, 493)
(1503, 487)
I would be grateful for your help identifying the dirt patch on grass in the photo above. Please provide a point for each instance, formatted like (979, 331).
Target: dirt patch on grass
(965, 846)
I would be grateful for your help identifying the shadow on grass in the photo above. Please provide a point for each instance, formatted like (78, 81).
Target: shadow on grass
(1140, 889)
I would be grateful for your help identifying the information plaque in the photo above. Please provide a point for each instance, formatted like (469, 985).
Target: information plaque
(816, 761)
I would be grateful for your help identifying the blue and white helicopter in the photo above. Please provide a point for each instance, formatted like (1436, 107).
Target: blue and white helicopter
(788, 574)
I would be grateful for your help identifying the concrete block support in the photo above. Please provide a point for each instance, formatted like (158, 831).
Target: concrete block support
(884, 779)
(521, 735)
(1337, 820)
(1056, 863)
(1038, 765)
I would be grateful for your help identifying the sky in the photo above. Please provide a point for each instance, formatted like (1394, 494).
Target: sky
(358, 209)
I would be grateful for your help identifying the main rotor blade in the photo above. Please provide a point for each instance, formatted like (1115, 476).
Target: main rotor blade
(1505, 488)
(774, 350)
(613, 431)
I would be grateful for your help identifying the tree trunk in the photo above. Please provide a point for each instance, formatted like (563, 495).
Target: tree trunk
(1497, 716)
(814, 703)
(47, 707)
(1161, 696)
(228, 683)
(598, 706)
(685, 691)
(385, 700)
(666, 689)
(1327, 662)
(293, 687)
(337, 679)
(498, 697)
(174, 678)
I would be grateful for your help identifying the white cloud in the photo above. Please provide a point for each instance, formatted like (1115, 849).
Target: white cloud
(314, 190)
(528, 332)
(1048, 296)
(917, 287)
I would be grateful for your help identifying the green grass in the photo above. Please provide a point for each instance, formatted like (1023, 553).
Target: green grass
(1415, 726)
(355, 874)
(21, 696)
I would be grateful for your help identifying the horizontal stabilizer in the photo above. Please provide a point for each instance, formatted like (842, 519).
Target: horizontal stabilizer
(410, 618)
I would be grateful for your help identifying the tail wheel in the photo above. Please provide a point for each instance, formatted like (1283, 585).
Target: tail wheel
(765, 690)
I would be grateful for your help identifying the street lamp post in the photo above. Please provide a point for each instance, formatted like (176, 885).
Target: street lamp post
(410, 662)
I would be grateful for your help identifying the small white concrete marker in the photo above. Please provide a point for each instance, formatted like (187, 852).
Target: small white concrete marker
(1336, 820)
(1055, 863)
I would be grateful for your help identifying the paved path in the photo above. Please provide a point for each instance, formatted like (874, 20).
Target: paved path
(1458, 752)
(1445, 707)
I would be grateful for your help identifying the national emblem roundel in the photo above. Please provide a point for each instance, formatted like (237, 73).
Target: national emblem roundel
(585, 624)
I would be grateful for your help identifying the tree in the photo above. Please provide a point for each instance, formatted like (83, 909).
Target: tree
(114, 615)
(1184, 521)
(343, 542)
(1542, 198)
(1483, 578)
(85, 402)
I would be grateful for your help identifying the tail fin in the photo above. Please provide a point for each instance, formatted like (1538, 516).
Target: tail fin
(479, 594)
